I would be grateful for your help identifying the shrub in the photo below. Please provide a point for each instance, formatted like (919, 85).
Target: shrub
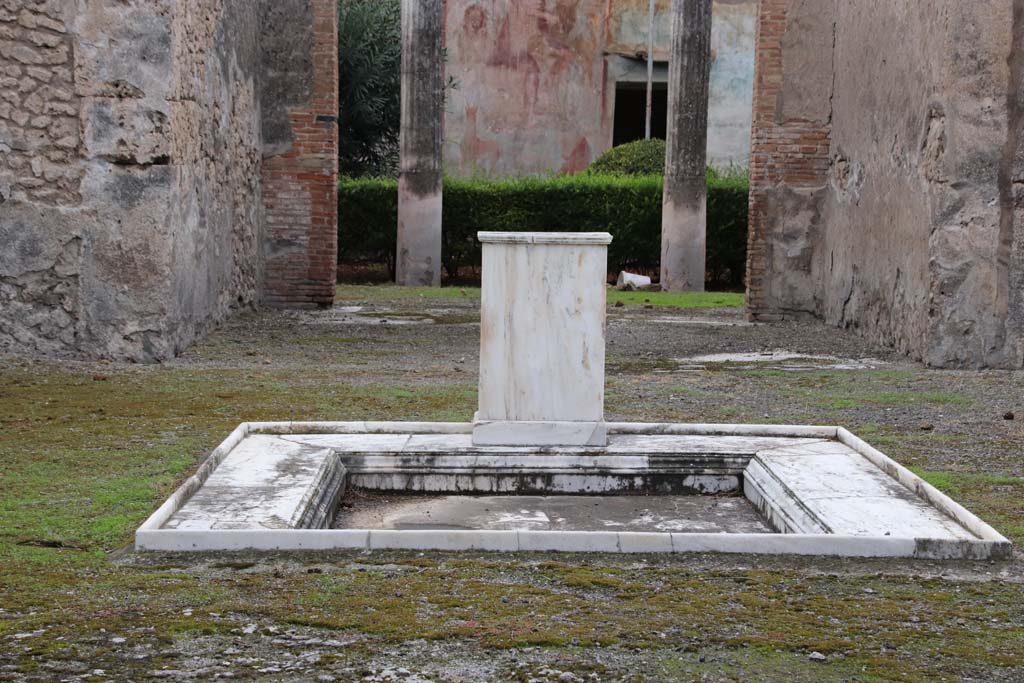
(369, 63)
(643, 157)
(368, 220)
(628, 207)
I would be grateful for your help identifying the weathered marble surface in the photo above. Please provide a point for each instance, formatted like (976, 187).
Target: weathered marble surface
(542, 338)
(265, 483)
(631, 513)
(540, 433)
(830, 488)
(828, 492)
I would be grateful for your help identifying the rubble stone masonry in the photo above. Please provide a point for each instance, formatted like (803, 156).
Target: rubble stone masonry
(133, 163)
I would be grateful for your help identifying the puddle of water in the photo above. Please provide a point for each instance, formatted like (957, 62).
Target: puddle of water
(699, 322)
(781, 360)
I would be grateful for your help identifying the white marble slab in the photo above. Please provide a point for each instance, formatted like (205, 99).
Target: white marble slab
(540, 433)
(542, 334)
(558, 238)
(850, 496)
(618, 444)
(264, 483)
(569, 541)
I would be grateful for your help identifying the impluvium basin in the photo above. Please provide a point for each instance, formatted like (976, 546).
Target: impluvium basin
(540, 434)
(818, 491)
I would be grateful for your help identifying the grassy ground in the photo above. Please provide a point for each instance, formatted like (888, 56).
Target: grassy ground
(87, 451)
(391, 293)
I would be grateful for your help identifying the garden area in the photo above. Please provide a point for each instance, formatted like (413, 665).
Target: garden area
(123, 372)
(625, 205)
(620, 192)
(90, 449)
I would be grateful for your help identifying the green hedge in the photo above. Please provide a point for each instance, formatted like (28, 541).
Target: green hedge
(629, 207)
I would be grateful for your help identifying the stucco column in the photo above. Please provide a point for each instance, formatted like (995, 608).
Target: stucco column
(420, 178)
(684, 211)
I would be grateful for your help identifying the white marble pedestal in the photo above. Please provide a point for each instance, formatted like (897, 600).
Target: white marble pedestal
(542, 339)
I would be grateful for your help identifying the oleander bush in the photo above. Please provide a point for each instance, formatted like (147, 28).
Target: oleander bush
(369, 64)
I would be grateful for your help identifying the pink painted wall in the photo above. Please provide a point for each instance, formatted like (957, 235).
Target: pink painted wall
(531, 89)
(536, 80)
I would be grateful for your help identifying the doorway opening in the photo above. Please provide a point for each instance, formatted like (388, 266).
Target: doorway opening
(631, 112)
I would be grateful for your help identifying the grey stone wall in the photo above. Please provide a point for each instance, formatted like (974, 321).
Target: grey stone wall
(286, 45)
(216, 134)
(129, 173)
(1011, 191)
(912, 235)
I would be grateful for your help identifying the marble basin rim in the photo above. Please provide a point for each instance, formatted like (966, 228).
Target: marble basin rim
(782, 469)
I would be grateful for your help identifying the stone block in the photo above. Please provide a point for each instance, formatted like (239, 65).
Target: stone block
(542, 341)
(569, 541)
(442, 539)
(126, 50)
(540, 433)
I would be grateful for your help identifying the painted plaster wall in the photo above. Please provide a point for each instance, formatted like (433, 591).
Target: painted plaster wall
(536, 80)
(910, 232)
(733, 26)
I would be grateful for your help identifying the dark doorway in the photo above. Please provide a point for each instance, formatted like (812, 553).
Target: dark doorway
(631, 112)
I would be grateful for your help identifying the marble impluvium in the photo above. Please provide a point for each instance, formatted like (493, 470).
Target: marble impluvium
(539, 448)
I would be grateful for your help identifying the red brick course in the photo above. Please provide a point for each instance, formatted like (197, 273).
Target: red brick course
(790, 152)
(300, 187)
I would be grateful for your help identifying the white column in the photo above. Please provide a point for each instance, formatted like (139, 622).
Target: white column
(542, 339)
(684, 208)
(418, 258)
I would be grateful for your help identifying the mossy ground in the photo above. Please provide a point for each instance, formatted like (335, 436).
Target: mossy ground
(87, 451)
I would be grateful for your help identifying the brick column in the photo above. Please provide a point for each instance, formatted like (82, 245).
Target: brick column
(786, 152)
(300, 186)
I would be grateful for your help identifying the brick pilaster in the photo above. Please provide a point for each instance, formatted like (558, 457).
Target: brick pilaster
(784, 152)
(300, 187)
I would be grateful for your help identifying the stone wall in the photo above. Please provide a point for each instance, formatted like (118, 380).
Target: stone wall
(537, 81)
(128, 197)
(215, 155)
(131, 173)
(789, 161)
(1011, 190)
(41, 176)
(885, 174)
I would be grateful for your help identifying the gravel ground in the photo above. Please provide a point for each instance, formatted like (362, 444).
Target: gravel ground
(946, 420)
